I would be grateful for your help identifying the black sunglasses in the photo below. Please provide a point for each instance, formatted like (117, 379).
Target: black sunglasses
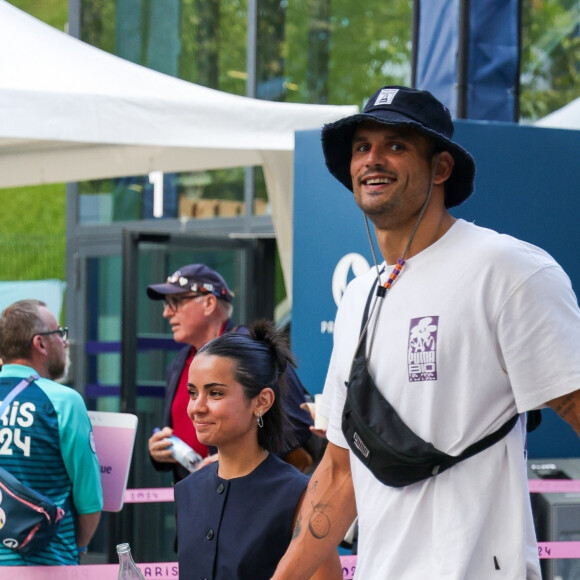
(62, 332)
(174, 302)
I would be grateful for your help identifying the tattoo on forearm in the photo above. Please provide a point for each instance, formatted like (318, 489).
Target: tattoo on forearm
(565, 406)
(319, 523)
(313, 486)
(297, 527)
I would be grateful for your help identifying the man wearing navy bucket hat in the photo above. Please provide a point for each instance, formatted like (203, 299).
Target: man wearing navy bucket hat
(439, 352)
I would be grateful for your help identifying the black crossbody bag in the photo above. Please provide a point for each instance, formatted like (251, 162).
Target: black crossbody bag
(378, 436)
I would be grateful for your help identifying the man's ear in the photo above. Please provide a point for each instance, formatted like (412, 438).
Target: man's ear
(445, 164)
(37, 343)
(209, 303)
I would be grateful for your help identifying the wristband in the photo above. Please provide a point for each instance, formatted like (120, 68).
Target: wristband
(82, 550)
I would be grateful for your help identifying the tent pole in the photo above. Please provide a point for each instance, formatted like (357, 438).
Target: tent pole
(463, 59)
(74, 18)
(251, 48)
(415, 41)
(251, 84)
(517, 88)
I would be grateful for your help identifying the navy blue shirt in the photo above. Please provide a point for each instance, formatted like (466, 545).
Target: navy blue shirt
(236, 529)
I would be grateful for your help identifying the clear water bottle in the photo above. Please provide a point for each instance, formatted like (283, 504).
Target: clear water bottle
(183, 453)
(127, 568)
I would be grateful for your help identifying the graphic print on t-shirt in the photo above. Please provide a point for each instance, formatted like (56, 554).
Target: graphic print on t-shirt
(422, 349)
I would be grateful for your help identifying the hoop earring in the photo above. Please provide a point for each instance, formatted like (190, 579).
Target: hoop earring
(260, 420)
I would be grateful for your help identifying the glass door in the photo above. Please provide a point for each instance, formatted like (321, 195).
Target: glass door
(129, 346)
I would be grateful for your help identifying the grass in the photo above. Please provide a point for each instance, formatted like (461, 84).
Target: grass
(32, 232)
(32, 219)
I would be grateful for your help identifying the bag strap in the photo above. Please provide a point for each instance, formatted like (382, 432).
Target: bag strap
(16, 391)
(363, 324)
(367, 308)
(487, 441)
(474, 448)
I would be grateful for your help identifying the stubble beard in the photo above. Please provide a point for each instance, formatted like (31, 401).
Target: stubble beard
(382, 215)
(58, 369)
(391, 213)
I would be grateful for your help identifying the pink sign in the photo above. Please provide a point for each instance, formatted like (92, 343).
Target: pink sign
(151, 571)
(114, 439)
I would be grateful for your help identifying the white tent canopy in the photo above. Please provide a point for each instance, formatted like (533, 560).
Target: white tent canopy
(568, 117)
(71, 112)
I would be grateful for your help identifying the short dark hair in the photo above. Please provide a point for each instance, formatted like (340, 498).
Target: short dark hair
(260, 361)
(19, 323)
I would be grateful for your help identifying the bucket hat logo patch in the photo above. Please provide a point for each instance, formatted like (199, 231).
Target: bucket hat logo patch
(386, 96)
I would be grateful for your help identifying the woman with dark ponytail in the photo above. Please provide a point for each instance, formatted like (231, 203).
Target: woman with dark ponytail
(235, 516)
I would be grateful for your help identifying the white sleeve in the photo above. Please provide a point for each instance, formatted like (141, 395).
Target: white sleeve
(539, 333)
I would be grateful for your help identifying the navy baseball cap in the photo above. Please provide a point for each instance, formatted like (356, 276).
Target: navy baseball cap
(402, 106)
(192, 278)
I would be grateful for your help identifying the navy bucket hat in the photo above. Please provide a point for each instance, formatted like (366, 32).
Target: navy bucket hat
(402, 106)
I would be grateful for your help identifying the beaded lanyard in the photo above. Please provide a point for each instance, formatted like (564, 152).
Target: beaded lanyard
(383, 289)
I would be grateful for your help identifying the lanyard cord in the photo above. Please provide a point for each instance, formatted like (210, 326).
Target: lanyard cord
(16, 391)
(382, 289)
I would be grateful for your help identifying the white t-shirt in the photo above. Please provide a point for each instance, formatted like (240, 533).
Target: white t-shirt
(477, 327)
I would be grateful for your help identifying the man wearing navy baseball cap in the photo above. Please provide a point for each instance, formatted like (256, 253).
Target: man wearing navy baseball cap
(196, 278)
(198, 306)
(439, 352)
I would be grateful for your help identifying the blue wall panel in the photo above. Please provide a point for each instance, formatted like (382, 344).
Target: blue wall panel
(527, 185)
(437, 47)
(491, 55)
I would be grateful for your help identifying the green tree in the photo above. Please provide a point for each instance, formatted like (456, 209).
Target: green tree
(550, 56)
(53, 12)
(368, 45)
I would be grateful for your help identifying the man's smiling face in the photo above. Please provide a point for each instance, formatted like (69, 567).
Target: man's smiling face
(391, 171)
